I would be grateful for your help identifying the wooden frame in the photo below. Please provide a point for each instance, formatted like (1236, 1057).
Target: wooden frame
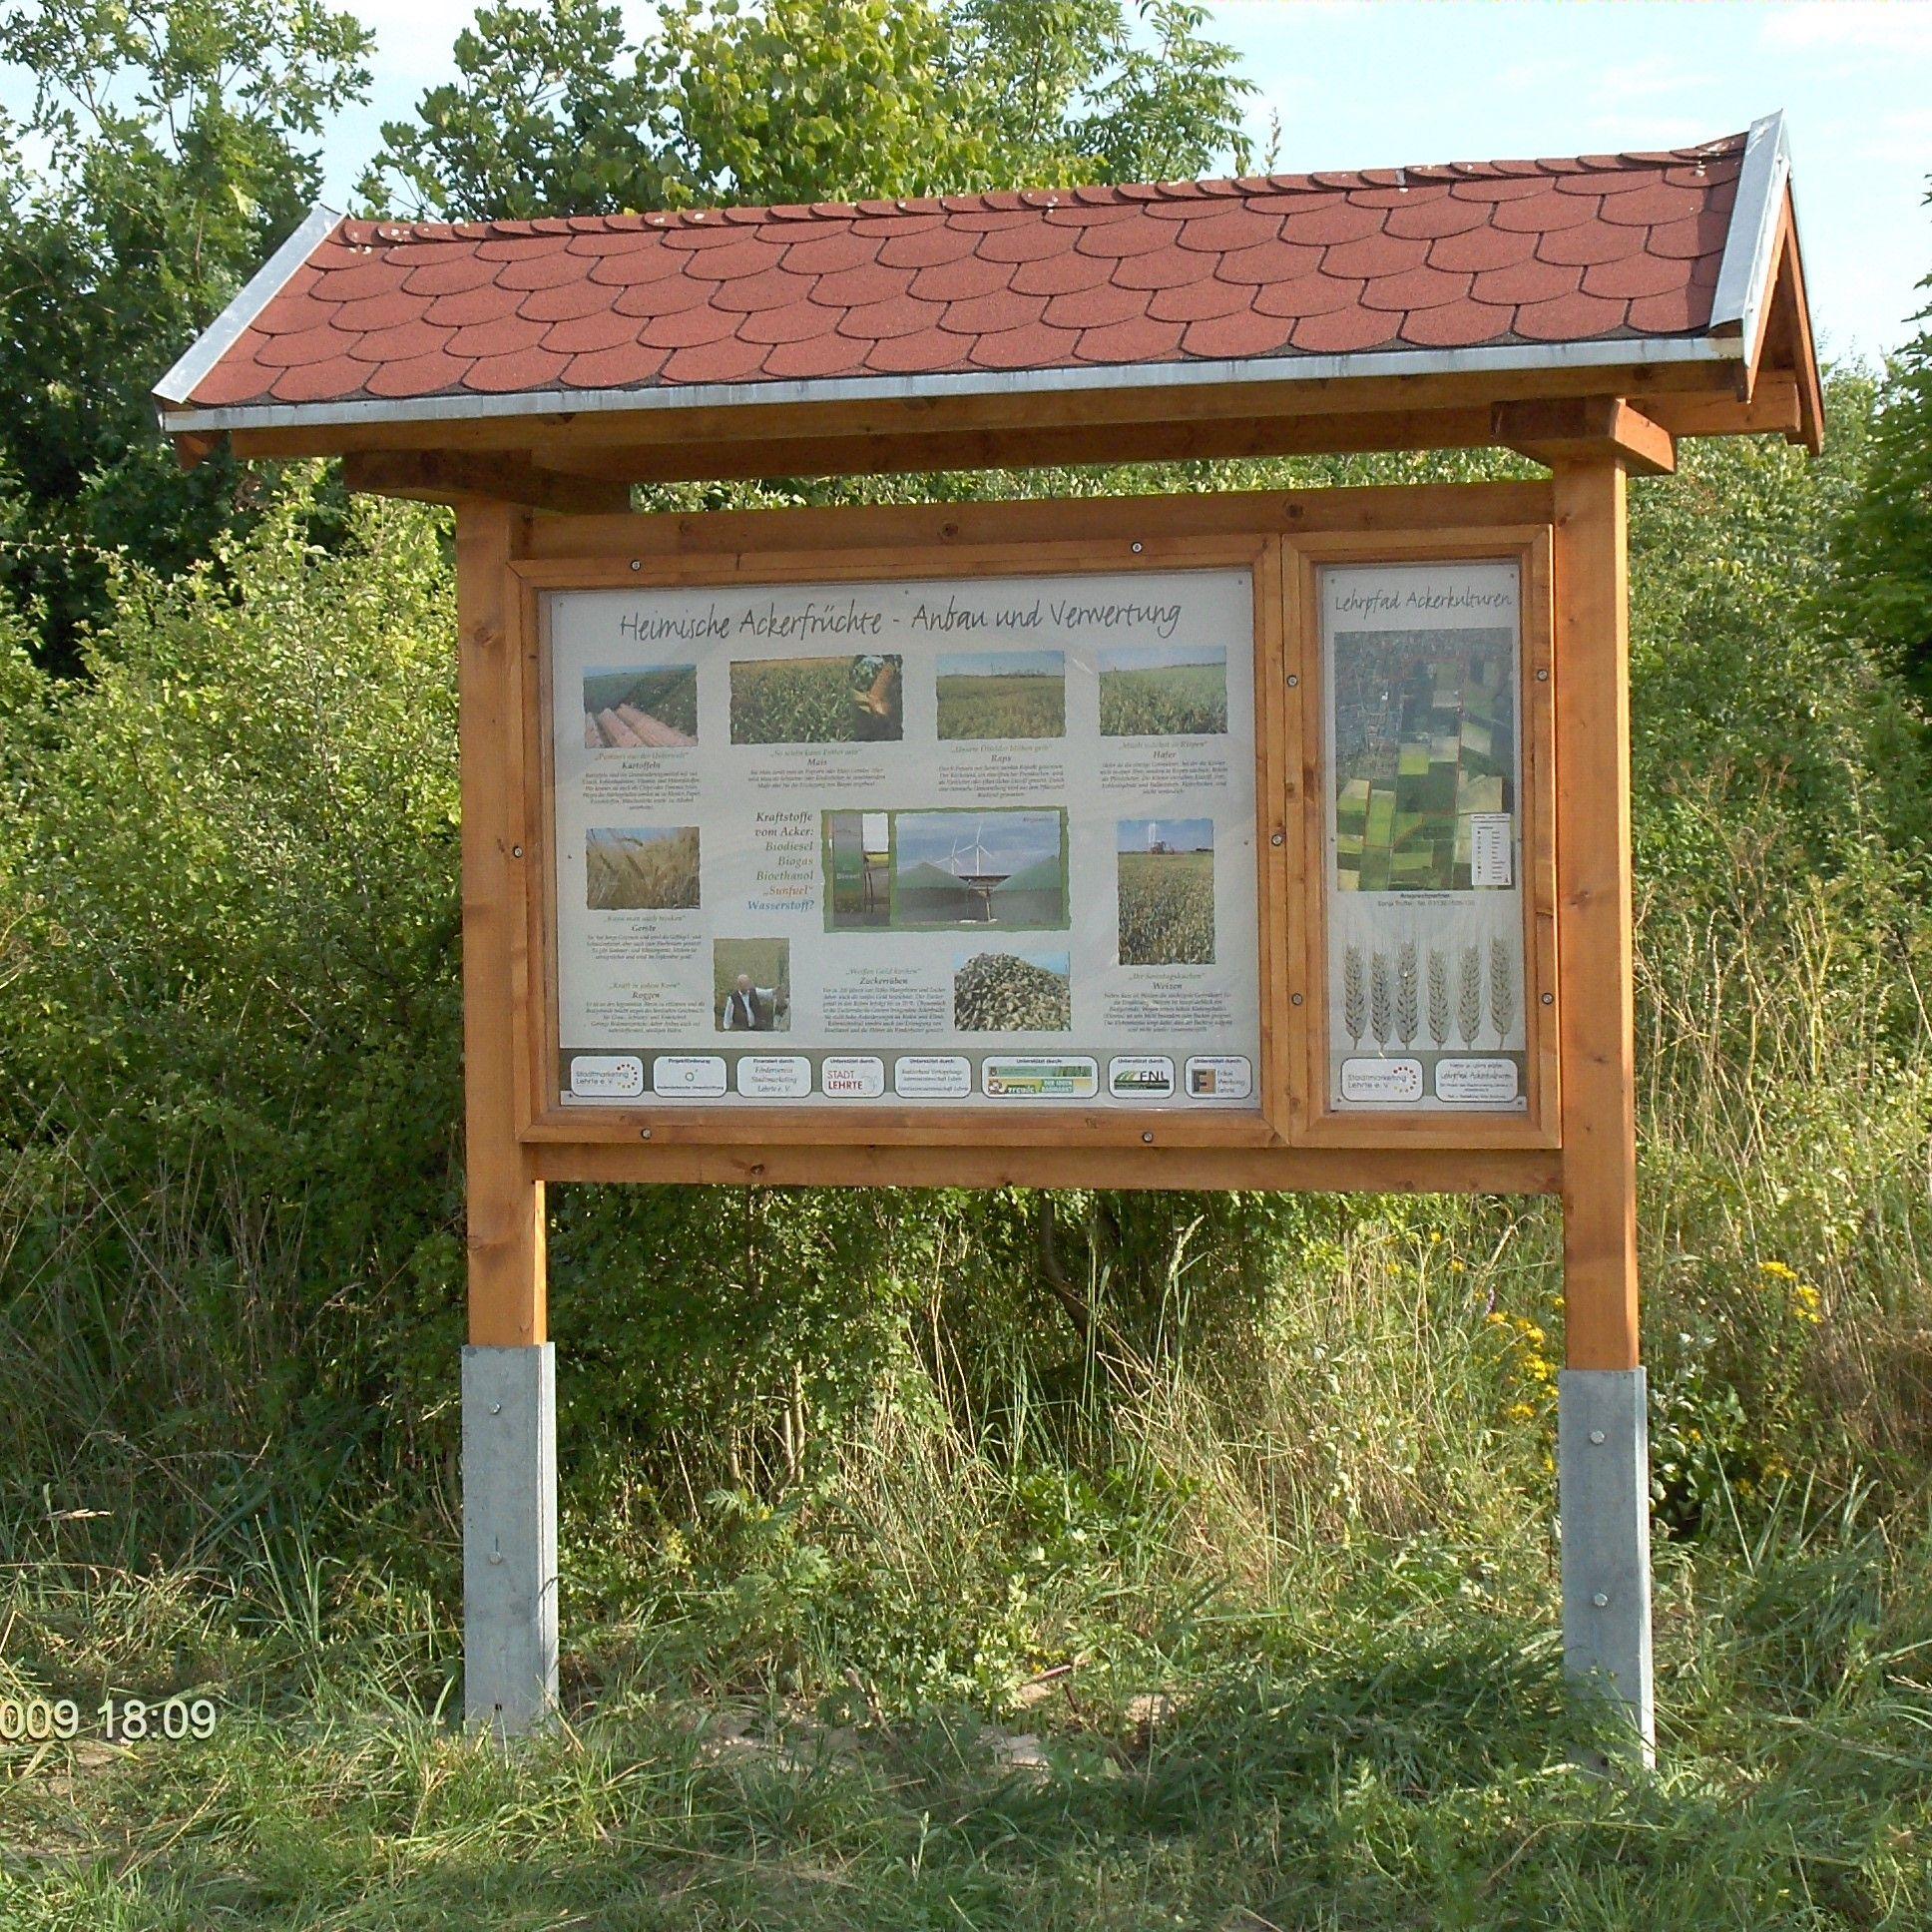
(1284, 1140)
(1316, 1122)
(842, 1124)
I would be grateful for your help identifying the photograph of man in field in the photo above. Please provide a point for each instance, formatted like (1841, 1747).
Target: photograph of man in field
(1002, 693)
(751, 985)
(1162, 690)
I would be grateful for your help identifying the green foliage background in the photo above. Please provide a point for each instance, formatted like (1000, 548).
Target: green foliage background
(1279, 1465)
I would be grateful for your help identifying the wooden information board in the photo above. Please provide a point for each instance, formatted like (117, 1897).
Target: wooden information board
(1210, 838)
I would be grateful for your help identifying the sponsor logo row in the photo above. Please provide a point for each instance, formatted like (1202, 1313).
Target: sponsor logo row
(915, 1076)
(1482, 1080)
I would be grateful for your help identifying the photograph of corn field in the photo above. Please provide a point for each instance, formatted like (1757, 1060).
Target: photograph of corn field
(1012, 993)
(1165, 869)
(1425, 726)
(652, 708)
(818, 700)
(653, 869)
(1002, 693)
(1162, 690)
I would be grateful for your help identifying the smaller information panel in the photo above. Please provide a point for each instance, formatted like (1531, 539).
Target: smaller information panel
(983, 842)
(1421, 667)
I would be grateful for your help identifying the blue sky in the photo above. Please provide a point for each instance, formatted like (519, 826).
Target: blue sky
(1156, 656)
(1001, 663)
(993, 841)
(1380, 83)
(1181, 834)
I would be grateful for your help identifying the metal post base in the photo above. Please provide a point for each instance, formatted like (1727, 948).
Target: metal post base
(509, 1537)
(1604, 1496)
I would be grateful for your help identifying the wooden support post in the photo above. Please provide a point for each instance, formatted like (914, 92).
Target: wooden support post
(1593, 943)
(1603, 1452)
(509, 1373)
(506, 1202)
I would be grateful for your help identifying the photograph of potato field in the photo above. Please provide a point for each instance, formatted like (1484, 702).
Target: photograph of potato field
(1012, 993)
(1162, 690)
(649, 868)
(1002, 693)
(649, 707)
(818, 700)
(1164, 868)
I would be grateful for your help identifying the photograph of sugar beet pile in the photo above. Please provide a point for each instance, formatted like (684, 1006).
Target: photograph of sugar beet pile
(1165, 869)
(649, 868)
(1012, 993)
(649, 709)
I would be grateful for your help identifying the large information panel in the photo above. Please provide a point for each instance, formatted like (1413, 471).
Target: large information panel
(1427, 996)
(985, 842)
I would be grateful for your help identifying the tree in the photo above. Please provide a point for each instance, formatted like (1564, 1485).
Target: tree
(182, 139)
(1884, 545)
(808, 99)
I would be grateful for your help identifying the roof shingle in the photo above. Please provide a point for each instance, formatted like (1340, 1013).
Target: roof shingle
(1590, 249)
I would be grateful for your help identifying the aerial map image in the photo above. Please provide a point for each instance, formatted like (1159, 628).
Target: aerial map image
(1425, 741)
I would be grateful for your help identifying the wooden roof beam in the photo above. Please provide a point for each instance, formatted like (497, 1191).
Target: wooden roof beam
(432, 476)
(1562, 429)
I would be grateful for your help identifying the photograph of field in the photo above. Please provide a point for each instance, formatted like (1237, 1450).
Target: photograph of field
(1162, 690)
(818, 700)
(1425, 736)
(651, 868)
(858, 870)
(652, 708)
(1002, 693)
(1012, 993)
(968, 868)
(751, 985)
(1165, 869)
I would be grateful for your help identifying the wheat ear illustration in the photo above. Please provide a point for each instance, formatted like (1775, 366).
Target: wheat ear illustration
(1438, 999)
(1469, 998)
(1354, 994)
(1381, 1020)
(1502, 988)
(1406, 988)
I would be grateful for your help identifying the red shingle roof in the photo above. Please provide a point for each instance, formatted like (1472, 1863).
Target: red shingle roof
(1600, 249)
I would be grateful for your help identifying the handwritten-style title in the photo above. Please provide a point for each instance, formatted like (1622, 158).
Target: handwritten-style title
(848, 617)
(1380, 603)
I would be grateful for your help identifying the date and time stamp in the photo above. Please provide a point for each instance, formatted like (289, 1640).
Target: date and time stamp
(114, 1721)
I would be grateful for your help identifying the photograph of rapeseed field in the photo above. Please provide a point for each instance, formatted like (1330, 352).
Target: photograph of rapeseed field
(1425, 736)
(818, 700)
(653, 707)
(651, 868)
(1002, 693)
(1162, 690)
(1166, 873)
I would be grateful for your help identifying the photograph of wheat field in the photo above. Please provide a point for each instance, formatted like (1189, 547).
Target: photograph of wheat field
(651, 868)
(1164, 868)
(1162, 690)
(1002, 693)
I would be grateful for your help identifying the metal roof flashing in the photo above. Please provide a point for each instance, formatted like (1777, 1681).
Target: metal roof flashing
(565, 403)
(1745, 276)
(262, 287)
